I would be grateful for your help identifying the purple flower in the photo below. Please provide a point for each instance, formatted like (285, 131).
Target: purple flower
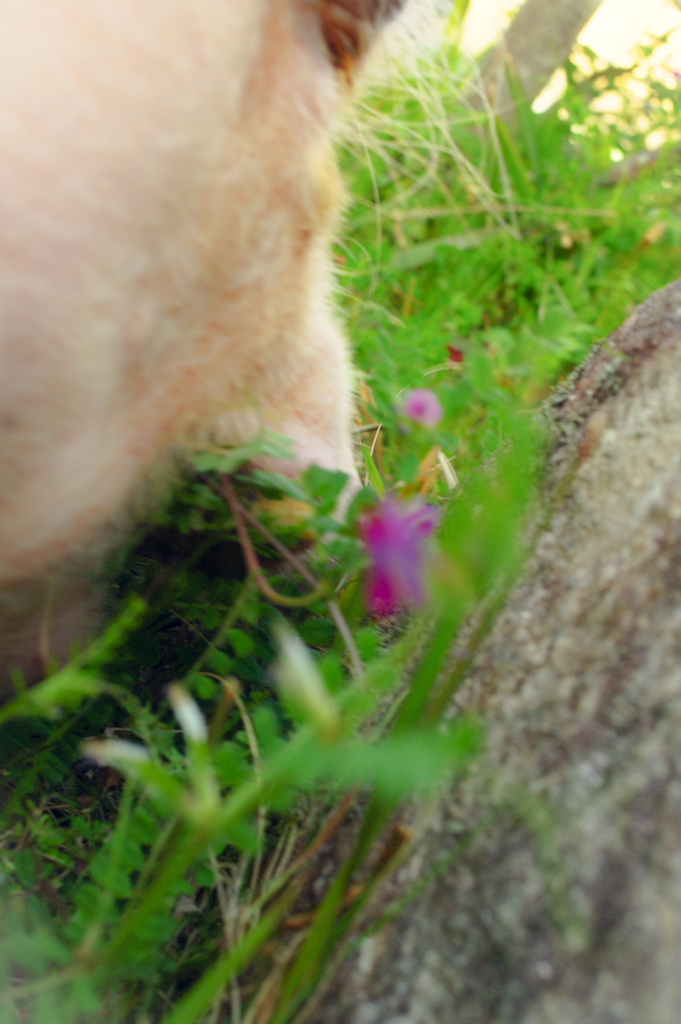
(395, 536)
(423, 406)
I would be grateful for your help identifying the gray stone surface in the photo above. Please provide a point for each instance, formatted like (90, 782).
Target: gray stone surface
(554, 894)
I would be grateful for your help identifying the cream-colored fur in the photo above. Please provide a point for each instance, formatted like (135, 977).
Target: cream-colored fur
(167, 194)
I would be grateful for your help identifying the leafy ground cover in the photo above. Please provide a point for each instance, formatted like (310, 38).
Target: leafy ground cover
(166, 796)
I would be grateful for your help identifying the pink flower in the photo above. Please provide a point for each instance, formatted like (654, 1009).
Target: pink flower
(395, 537)
(423, 406)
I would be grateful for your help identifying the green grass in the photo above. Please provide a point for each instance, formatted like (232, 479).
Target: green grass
(153, 883)
(541, 256)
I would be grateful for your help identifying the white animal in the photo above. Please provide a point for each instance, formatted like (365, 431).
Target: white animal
(167, 196)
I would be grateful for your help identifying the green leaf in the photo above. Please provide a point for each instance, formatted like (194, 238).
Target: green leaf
(240, 642)
(272, 481)
(372, 470)
(326, 485)
(220, 663)
(268, 445)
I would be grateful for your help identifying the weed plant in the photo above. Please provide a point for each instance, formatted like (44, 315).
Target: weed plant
(196, 809)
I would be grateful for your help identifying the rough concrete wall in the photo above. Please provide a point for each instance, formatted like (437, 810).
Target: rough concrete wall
(555, 895)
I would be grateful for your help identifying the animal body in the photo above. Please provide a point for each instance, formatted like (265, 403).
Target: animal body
(167, 196)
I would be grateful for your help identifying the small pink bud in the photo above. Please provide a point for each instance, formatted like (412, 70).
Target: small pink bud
(423, 406)
(395, 536)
